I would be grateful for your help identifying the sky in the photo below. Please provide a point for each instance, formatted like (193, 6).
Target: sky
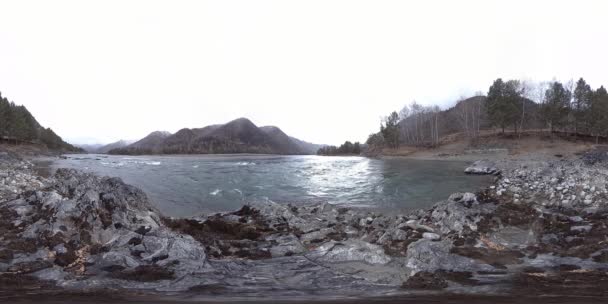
(323, 71)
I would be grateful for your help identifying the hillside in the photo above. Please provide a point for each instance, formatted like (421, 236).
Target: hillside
(18, 125)
(307, 147)
(103, 149)
(237, 136)
(468, 116)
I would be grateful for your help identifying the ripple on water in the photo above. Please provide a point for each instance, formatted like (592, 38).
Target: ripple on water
(189, 185)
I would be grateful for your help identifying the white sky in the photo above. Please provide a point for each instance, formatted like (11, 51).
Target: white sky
(323, 71)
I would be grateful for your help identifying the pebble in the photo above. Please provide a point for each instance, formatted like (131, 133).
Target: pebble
(585, 228)
(431, 236)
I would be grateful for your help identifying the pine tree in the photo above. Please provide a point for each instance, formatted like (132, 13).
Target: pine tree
(597, 114)
(581, 102)
(390, 130)
(503, 103)
(556, 106)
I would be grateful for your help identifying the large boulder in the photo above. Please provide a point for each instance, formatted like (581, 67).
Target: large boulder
(482, 167)
(459, 214)
(94, 230)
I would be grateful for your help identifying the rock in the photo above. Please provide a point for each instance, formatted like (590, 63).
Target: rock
(431, 236)
(89, 225)
(286, 246)
(413, 224)
(585, 228)
(29, 267)
(349, 251)
(459, 213)
(482, 167)
(576, 219)
(430, 256)
(426, 281)
(85, 232)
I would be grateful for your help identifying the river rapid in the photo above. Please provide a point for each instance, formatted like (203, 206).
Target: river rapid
(188, 185)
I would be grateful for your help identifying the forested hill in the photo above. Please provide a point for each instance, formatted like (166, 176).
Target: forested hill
(572, 108)
(18, 125)
(237, 136)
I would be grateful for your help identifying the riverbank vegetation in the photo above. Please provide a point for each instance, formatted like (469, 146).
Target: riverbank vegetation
(347, 148)
(571, 109)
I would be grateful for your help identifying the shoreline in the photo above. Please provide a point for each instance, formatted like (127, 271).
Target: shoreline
(487, 243)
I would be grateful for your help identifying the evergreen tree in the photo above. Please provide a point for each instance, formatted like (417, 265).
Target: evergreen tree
(556, 106)
(597, 114)
(581, 103)
(503, 103)
(357, 148)
(344, 149)
(4, 110)
(390, 130)
(375, 143)
(17, 123)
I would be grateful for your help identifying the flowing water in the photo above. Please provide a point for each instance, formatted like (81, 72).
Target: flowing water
(190, 185)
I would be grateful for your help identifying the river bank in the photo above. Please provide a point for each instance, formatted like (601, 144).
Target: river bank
(539, 230)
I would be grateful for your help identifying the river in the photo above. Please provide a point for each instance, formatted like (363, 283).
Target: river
(188, 185)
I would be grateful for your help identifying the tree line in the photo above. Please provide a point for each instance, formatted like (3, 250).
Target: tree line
(17, 124)
(347, 148)
(574, 108)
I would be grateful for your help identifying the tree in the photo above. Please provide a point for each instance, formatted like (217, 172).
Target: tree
(503, 103)
(556, 106)
(17, 123)
(468, 113)
(581, 101)
(375, 143)
(433, 124)
(4, 110)
(390, 130)
(345, 149)
(357, 148)
(597, 115)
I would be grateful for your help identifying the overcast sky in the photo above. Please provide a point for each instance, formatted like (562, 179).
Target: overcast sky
(323, 71)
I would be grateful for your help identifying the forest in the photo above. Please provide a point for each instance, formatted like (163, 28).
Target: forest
(513, 106)
(18, 126)
(347, 148)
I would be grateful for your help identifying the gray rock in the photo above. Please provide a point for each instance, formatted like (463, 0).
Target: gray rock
(286, 246)
(430, 256)
(459, 212)
(585, 228)
(431, 236)
(482, 167)
(349, 251)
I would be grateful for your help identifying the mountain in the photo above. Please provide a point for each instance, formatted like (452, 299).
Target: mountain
(89, 148)
(103, 149)
(18, 125)
(151, 144)
(115, 145)
(308, 148)
(237, 136)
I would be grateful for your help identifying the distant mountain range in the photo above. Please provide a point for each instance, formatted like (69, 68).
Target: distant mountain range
(103, 149)
(237, 136)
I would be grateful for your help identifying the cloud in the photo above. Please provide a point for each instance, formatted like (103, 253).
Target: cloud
(323, 71)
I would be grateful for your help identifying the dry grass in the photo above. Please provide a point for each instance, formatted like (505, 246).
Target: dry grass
(493, 144)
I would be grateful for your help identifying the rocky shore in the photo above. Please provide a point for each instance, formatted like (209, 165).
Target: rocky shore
(541, 229)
